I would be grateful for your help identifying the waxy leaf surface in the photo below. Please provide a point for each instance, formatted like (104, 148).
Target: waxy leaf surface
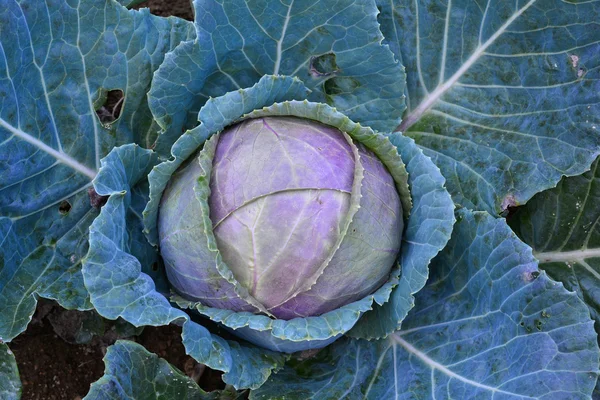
(504, 96)
(59, 63)
(562, 225)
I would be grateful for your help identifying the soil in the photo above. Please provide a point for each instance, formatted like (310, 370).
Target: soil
(52, 368)
(165, 8)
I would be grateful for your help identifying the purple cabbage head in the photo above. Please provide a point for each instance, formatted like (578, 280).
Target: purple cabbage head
(306, 220)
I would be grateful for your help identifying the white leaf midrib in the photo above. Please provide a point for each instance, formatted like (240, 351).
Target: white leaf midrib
(566, 256)
(280, 41)
(87, 88)
(434, 96)
(434, 365)
(445, 44)
(58, 155)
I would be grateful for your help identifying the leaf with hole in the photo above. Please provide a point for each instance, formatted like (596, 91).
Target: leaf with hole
(503, 96)
(334, 47)
(62, 68)
(562, 225)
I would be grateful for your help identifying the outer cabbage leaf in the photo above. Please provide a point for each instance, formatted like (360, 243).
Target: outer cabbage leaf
(488, 324)
(57, 64)
(132, 372)
(503, 96)
(562, 225)
(120, 286)
(332, 46)
(10, 384)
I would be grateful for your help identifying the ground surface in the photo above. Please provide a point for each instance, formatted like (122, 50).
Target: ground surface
(179, 8)
(53, 369)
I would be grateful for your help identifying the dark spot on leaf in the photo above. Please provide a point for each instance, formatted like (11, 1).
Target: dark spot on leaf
(154, 266)
(522, 323)
(96, 200)
(323, 65)
(110, 110)
(64, 207)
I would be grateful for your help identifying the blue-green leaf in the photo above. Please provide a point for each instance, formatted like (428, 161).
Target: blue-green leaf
(120, 286)
(332, 46)
(562, 226)
(487, 325)
(10, 385)
(58, 63)
(132, 372)
(504, 96)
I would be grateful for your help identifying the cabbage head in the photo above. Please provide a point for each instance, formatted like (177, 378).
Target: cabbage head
(289, 197)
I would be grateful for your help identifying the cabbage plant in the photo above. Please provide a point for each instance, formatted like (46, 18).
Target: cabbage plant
(315, 191)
